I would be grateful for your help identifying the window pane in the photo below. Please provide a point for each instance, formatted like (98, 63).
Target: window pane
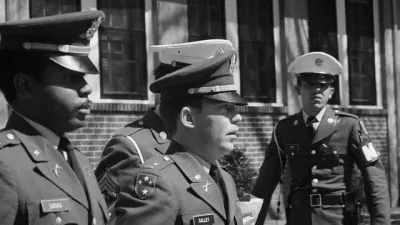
(206, 19)
(257, 50)
(323, 33)
(123, 49)
(39, 8)
(360, 34)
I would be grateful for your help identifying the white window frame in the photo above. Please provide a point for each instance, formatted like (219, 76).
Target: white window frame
(343, 56)
(94, 80)
(232, 34)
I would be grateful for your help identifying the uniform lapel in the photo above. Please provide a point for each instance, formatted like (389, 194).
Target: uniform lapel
(90, 185)
(55, 168)
(326, 127)
(200, 181)
(230, 190)
(48, 161)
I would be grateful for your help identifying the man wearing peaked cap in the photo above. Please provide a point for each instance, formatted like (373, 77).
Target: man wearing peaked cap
(142, 139)
(321, 146)
(187, 185)
(44, 179)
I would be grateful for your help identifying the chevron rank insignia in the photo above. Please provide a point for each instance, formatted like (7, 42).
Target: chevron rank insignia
(145, 185)
(109, 188)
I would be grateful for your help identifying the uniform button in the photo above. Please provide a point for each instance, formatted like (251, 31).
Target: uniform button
(314, 190)
(292, 154)
(166, 158)
(10, 136)
(163, 135)
(313, 152)
(315, 181)
(335, 152)
(58, 220)
(314, 167)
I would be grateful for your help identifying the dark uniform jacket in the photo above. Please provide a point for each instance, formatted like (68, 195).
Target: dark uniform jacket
(37, 185)
(126, 152)
(323, 166)
(175, 189)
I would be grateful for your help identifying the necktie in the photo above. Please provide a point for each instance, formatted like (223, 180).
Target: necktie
(310, 127)
(216, 176)
(66, 145)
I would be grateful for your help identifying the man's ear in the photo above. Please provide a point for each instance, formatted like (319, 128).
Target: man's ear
(187, 117)
(297, 88)
(23, 85)
(331, 92)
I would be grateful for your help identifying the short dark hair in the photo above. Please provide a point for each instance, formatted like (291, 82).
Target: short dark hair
(171, 106)
(13, 62)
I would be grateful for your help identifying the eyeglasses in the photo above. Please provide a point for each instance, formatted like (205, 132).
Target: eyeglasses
(312, 85)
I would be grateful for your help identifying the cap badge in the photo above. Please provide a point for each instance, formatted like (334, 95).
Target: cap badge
(220, 51)
(232, 63)
(95, 25)
(318, 62)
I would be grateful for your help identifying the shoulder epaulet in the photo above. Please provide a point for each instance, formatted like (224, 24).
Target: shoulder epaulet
(8, 138)
(128, 130)
(158, 162)
(337, 112)
(288, 118)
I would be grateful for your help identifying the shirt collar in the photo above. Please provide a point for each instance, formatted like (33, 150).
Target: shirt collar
(44, 131)
(318, 116)
(205, 165)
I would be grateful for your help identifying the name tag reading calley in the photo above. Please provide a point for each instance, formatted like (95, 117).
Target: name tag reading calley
(203, 219)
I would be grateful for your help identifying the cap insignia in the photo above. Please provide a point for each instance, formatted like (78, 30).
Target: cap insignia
(318, 62)
(232, 63)
(220, 51)
(95, 25)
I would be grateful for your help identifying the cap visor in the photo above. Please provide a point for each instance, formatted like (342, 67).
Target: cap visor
(230, 96)
(81, 64)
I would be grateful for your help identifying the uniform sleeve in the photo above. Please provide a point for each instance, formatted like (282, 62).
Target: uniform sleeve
(8, 196)
(374, 176)
(140, 203)
(270, 172)
(119, 161)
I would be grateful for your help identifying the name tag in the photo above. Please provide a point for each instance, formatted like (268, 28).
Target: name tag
(292, 147)
(55, 205)
(203, 219)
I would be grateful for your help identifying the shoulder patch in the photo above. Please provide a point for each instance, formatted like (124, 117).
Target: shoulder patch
(127, 131)
(8, 138)
(340, 113)
(145, 184)
(158, 163)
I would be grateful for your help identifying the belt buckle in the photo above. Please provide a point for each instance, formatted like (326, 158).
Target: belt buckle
(315, 200)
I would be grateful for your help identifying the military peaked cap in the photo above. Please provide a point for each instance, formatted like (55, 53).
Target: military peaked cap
(316, 67)
(64, 38)
(212, 78)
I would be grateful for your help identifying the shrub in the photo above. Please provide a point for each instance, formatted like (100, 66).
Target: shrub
(238, 166)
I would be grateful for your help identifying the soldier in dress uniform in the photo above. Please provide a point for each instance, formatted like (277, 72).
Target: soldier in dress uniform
(142, 139)
(187, 185)
(43, 178)
(321, 146)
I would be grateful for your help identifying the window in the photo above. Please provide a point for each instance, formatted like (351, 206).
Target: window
(122, 42)
(256, 50)
(322, 26)
(206, 19)
(361, 55)
(40, 8)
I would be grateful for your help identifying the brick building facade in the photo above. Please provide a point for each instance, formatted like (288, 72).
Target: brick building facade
(362, 34)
